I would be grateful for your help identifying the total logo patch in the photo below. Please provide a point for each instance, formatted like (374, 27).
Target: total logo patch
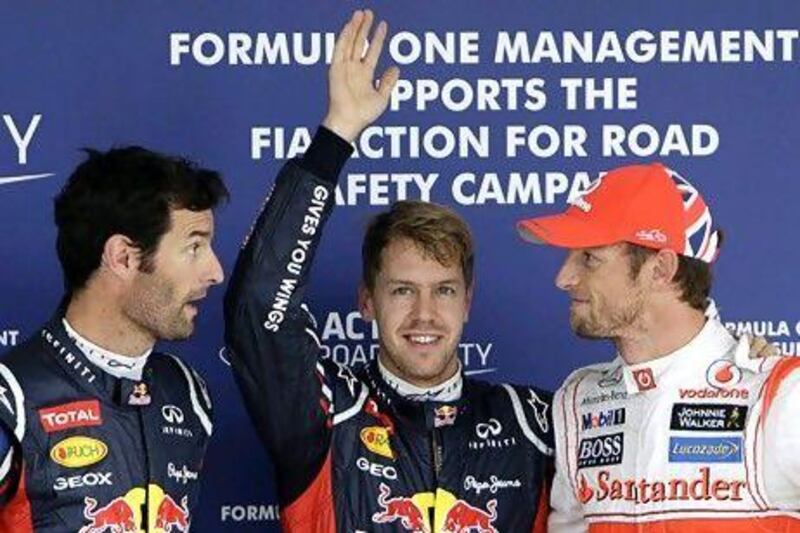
(708, 417)
(77, 452)
(601, 451)
(376, 439)
(71, 415)
(601, 419)
(705, 449)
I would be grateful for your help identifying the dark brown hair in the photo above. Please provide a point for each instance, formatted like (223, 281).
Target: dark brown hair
(693, 277)
(437, 230)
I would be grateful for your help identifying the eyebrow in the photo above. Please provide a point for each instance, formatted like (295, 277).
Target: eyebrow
(409, 282)
(199, 233)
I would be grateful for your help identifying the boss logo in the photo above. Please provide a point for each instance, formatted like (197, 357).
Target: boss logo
(374, 469)
(601, 451)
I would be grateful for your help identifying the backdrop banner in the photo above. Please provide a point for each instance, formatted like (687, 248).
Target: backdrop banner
(503, 111)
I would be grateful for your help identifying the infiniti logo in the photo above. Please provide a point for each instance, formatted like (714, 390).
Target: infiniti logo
(172, 414)
(493, 427)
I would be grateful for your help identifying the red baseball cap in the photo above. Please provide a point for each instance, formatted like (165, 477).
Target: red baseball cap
(649, 205)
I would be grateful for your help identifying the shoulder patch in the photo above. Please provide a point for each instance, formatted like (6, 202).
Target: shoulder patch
(533, 410)
(196, 392)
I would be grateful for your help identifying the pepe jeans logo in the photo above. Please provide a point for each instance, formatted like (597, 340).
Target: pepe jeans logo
(492, 485)
(181, 474)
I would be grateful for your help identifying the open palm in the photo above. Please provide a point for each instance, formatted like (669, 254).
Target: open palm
(354, 100)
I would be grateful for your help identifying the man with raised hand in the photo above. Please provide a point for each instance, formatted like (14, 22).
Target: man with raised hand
(683, 431)
(98, 431)
(407, 443)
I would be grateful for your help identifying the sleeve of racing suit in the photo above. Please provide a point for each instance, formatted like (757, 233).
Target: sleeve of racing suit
(12, 431)
(566, 512)
(269, 333)
(7, 474)
(781, 411)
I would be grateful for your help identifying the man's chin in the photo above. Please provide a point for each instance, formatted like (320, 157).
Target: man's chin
(587, 331)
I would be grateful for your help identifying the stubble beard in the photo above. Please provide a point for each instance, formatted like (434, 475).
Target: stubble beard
(152, 307)
(607, 322)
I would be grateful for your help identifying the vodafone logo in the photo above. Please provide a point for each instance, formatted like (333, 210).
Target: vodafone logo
(722, 374)
(71, 415)
(644, 379)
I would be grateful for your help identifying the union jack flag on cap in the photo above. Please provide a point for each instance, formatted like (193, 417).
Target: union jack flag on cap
(702, 240)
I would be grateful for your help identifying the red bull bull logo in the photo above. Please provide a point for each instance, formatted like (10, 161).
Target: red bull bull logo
(124, 513)
(450, 515)
(466, 518)
(400, 509)
(117, 516)
(171, 517)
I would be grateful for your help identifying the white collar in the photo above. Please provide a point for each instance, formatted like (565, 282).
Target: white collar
(119, 366)
(712, 342)
(448, 391)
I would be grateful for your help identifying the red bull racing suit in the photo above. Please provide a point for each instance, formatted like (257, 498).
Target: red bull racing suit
(94, 453)
(350, 453)
(704, 439)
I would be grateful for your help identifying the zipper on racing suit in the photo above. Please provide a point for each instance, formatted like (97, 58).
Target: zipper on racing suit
(437, 460)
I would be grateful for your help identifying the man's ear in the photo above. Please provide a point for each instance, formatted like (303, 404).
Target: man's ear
(121, 257)
(470, 293)
(663, 267)
(365, 304)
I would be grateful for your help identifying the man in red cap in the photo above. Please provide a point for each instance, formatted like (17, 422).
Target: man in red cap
(682, 431)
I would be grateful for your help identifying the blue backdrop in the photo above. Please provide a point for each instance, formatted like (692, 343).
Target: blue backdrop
(213, 80)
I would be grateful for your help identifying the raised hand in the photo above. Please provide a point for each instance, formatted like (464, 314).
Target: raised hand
(354, 101)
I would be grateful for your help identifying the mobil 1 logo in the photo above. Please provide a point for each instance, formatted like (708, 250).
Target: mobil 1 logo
(601, 451)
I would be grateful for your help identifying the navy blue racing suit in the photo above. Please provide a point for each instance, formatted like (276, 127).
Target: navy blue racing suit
(86, 451)
(350, 453)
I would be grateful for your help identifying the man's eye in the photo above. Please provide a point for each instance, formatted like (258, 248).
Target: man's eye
(401, 291)
(589, 259)
(447, 290)
(194, 248)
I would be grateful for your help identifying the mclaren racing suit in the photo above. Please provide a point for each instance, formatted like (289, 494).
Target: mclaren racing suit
(350, 453)
(704, 439)
(94, 453)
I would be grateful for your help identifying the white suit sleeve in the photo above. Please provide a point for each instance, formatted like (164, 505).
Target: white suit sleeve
(781, 444)
(566, 512)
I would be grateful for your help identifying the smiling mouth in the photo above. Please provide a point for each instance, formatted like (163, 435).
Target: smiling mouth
(422, 340)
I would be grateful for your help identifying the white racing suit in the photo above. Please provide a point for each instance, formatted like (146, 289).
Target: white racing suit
(704, 439)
